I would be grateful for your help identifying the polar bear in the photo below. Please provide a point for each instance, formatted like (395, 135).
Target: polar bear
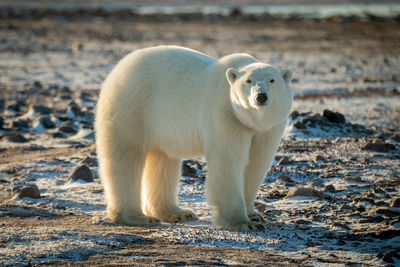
(163, 103)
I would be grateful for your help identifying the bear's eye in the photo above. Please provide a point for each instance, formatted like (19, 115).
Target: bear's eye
(272, 81)
(248, 81)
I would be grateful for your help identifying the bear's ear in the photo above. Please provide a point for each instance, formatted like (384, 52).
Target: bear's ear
(231, 75)
(287, 75)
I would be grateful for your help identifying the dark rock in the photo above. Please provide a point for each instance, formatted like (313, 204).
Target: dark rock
(40, 109)
(373, 219)
(89, 161)
(285, 178)
(388, 256)
(395, 202)
(58, 135)
(14, 137)
(388, 212)
(67, 127)
(46, 121)
(188, 169)
(1, 122)
(294, 114)
(395, 137)
(82, 172)
(284, 161)
(20, 124)
(383, 147)
(31, 191)
(334, 117)
(36, 85)
(330, 189)
(75, 110)
(300, 125)
(275, 194)
(320, 158)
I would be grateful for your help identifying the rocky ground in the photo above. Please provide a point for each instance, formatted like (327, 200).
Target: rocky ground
(331, 198)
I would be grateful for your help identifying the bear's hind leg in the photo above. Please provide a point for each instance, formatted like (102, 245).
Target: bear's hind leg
(160, 181)
(121, 176)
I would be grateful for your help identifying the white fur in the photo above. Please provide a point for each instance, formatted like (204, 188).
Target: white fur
(163, 103)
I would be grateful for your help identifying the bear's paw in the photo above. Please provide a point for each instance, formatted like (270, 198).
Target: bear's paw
(257, 217)
(138, 220)
(246, 226)
(181, 216)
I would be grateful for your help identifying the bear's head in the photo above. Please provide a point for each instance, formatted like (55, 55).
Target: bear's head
(260, 94)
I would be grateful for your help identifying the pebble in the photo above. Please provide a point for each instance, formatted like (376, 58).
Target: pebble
(294, 114)
(40, 109)
(395, 202)
(285, 178)
(304, 191)
(31, 191)
(89, 161)
(20, 124)
(320, 158)
(395, 137)
(388, 256)
(387, 212)
(14, 137)
(334, 117)
(46, 121)
(330, 189)
(67, 127)
(383, 147)
(82, 172)
(284, 161)
(188, 169)
(1, 123)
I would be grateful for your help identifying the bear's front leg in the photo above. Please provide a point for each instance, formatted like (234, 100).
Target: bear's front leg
(262, 151)
(226, 163)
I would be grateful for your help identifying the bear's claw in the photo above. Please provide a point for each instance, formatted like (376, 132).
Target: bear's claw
(257, 218)
(183, 216)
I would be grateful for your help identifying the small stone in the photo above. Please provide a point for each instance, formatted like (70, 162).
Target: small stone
(285, 178)
(36, 85)
(46, 121)
(304, 191)
(1, 123)
(67, 127)
(20, 124)
(395, 202)
(334, 117)
(89, 161)
(74, 110)
(14, 137)
(395, 137)
(300, 125)
(188, 169)
(388, 256)
(388, 212)
(330, 189)
(31, 191)
(384, 147)
(82, 172)
(58, 135)
(294, 114)
(39, 109)
(284, 161)
(320, 158)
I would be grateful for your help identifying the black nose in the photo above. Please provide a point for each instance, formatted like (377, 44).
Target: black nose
(261, 98)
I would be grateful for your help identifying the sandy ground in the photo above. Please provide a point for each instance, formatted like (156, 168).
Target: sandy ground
(331, 198)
